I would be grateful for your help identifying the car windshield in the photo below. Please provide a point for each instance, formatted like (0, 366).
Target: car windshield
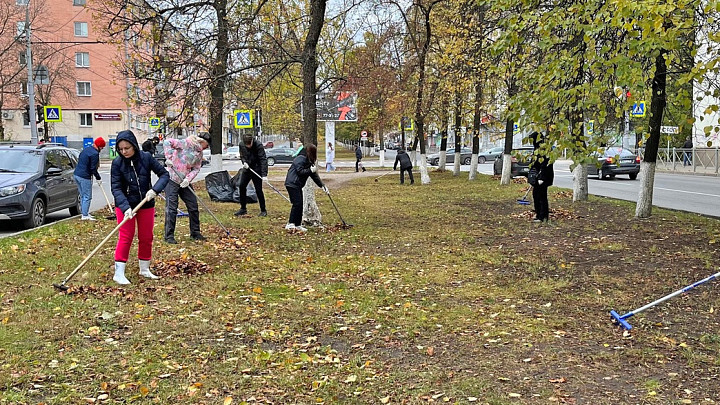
(233, 149)
(20, 161)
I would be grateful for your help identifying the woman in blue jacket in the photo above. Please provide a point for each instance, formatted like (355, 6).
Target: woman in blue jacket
(130, 184)
(303, 166)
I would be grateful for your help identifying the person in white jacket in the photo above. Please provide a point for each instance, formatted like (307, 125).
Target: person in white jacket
(330, 153)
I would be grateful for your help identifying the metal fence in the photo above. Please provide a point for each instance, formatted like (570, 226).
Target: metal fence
(692, 161)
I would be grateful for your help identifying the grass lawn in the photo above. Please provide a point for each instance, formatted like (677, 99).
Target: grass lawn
(442, 293)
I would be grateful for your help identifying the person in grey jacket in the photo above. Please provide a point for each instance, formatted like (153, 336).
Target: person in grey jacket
(405, 166)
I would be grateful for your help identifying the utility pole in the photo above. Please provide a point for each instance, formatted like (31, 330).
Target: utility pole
(31, 80)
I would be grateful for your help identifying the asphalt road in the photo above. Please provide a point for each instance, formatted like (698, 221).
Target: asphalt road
(691, 193)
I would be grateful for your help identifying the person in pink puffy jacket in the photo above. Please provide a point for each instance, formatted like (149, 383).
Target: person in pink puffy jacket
(184, 159)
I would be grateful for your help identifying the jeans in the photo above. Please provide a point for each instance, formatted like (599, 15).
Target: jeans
(330, 167)
(85, 188)
(687, 159)
(296, 199)
(145, 219)
(172, 192)
(257, 183)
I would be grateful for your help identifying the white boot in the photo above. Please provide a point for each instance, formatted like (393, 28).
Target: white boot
(145, 270)
(120, 274)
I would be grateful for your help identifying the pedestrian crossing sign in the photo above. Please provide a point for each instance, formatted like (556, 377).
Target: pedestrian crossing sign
(53, 113)
(243, 118)
(638, 109)
(154, 122)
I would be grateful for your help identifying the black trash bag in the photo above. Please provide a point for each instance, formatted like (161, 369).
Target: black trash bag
(220, 187)
(251, 195)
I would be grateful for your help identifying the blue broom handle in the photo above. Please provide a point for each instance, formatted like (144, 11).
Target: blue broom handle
(667, 297)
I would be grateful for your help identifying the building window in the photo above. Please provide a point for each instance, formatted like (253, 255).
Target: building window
(21, 2)
(21, 29)
(22, 58)
(85, 119)
(82, 59)
(78, 2)
(81, 29)
(83, 89)
(23, 88)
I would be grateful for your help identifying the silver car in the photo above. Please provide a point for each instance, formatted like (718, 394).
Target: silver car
(465, 157)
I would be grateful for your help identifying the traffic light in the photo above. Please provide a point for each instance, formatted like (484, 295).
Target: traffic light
(40, 113)
(26, 114)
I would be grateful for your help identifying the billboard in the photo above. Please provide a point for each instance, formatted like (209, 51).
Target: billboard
(337, 106)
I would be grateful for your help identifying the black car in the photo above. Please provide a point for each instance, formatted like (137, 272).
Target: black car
(521, 158)
(37, 180)
(279, 155)
(613, 161)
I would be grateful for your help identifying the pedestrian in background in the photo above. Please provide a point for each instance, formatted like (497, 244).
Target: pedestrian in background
(184, 159)
(150, 145)
(330, 158)
(405, 166)
(130, 176)
(87, 167)
(358, 158)
(544, 178)
(687, 157)
(252, 155)
(303, 166)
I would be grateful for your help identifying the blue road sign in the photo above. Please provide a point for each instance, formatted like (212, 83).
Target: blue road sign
(638, 109)
(53, 113)
(154, 122)
(243, 119)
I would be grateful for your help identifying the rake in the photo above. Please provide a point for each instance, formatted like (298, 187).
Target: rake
(109, 206)
(621, 319)
(227, 233)
(524, 200)
(270, 185)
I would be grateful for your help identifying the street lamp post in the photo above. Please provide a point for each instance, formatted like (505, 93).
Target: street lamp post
(31, 81)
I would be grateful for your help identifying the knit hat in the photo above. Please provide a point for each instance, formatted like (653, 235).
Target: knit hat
(205, 136)
(99, 142)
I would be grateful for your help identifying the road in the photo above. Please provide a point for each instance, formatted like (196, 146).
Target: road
(698, 194)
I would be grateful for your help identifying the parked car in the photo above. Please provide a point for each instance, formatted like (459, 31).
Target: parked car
(465, 157)
(490, 155)
(613, 161)
(279, 155)
(231, 152)
(521, 158)
(36, 181)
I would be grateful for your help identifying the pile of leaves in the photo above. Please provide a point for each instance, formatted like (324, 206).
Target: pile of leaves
(182, 267)
(92, 290)
(555, 213)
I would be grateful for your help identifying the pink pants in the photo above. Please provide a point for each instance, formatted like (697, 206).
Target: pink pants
(145, 219)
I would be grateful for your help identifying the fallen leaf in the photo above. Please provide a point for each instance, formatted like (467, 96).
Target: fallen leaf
(351, 379)
(227, 401)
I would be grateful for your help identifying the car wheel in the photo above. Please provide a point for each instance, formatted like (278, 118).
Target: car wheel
(435, 162)
(603, 175)
(37, 214)
(271, 161)
(75, 209)
(481, 159)
(466, 161)
(633, 176)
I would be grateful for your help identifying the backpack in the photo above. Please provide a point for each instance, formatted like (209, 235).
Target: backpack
(533, 177)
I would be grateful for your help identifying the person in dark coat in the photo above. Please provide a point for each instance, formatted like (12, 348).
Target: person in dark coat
(87, 167)
(545, 177)
(130, 176)
(150, 145)
(405, 165)
(687, 155)
(252, 154)
(303, 166)
(358, 158)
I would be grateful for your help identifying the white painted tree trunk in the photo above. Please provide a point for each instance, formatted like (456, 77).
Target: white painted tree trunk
(216, 163)
(506, 174)
(643, 209)
(311, 212)
(473, 167)
(456, 164)
(382, 158)
(424, 176)
(413, 157)
(443, 160)
(580, 183)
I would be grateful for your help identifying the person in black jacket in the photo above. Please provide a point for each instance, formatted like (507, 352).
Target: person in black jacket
(130, 176)
(358, 158)
(150, 145)
(303, 166)
(87, 167)
(252, 155)
(545, 177)
(405, 165)
(687, 154)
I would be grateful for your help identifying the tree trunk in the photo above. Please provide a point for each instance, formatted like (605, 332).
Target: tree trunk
(458, 122)
(580, 183)
(507, 158)
(311, 213)
(474, 158)
(643, 209)
(217, 85)
(443, 151)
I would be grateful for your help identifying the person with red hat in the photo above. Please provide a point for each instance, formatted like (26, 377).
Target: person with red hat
(87, 167)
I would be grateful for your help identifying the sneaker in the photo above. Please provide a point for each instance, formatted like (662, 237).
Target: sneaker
(241, 211)
(171, 241)
(290, 227)
(537, 220)
(263, 214)
(198, 237)
(87, 218)
(301, 228)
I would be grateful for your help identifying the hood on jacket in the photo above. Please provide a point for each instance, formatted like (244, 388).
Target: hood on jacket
(400, 152)
(129, 136)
